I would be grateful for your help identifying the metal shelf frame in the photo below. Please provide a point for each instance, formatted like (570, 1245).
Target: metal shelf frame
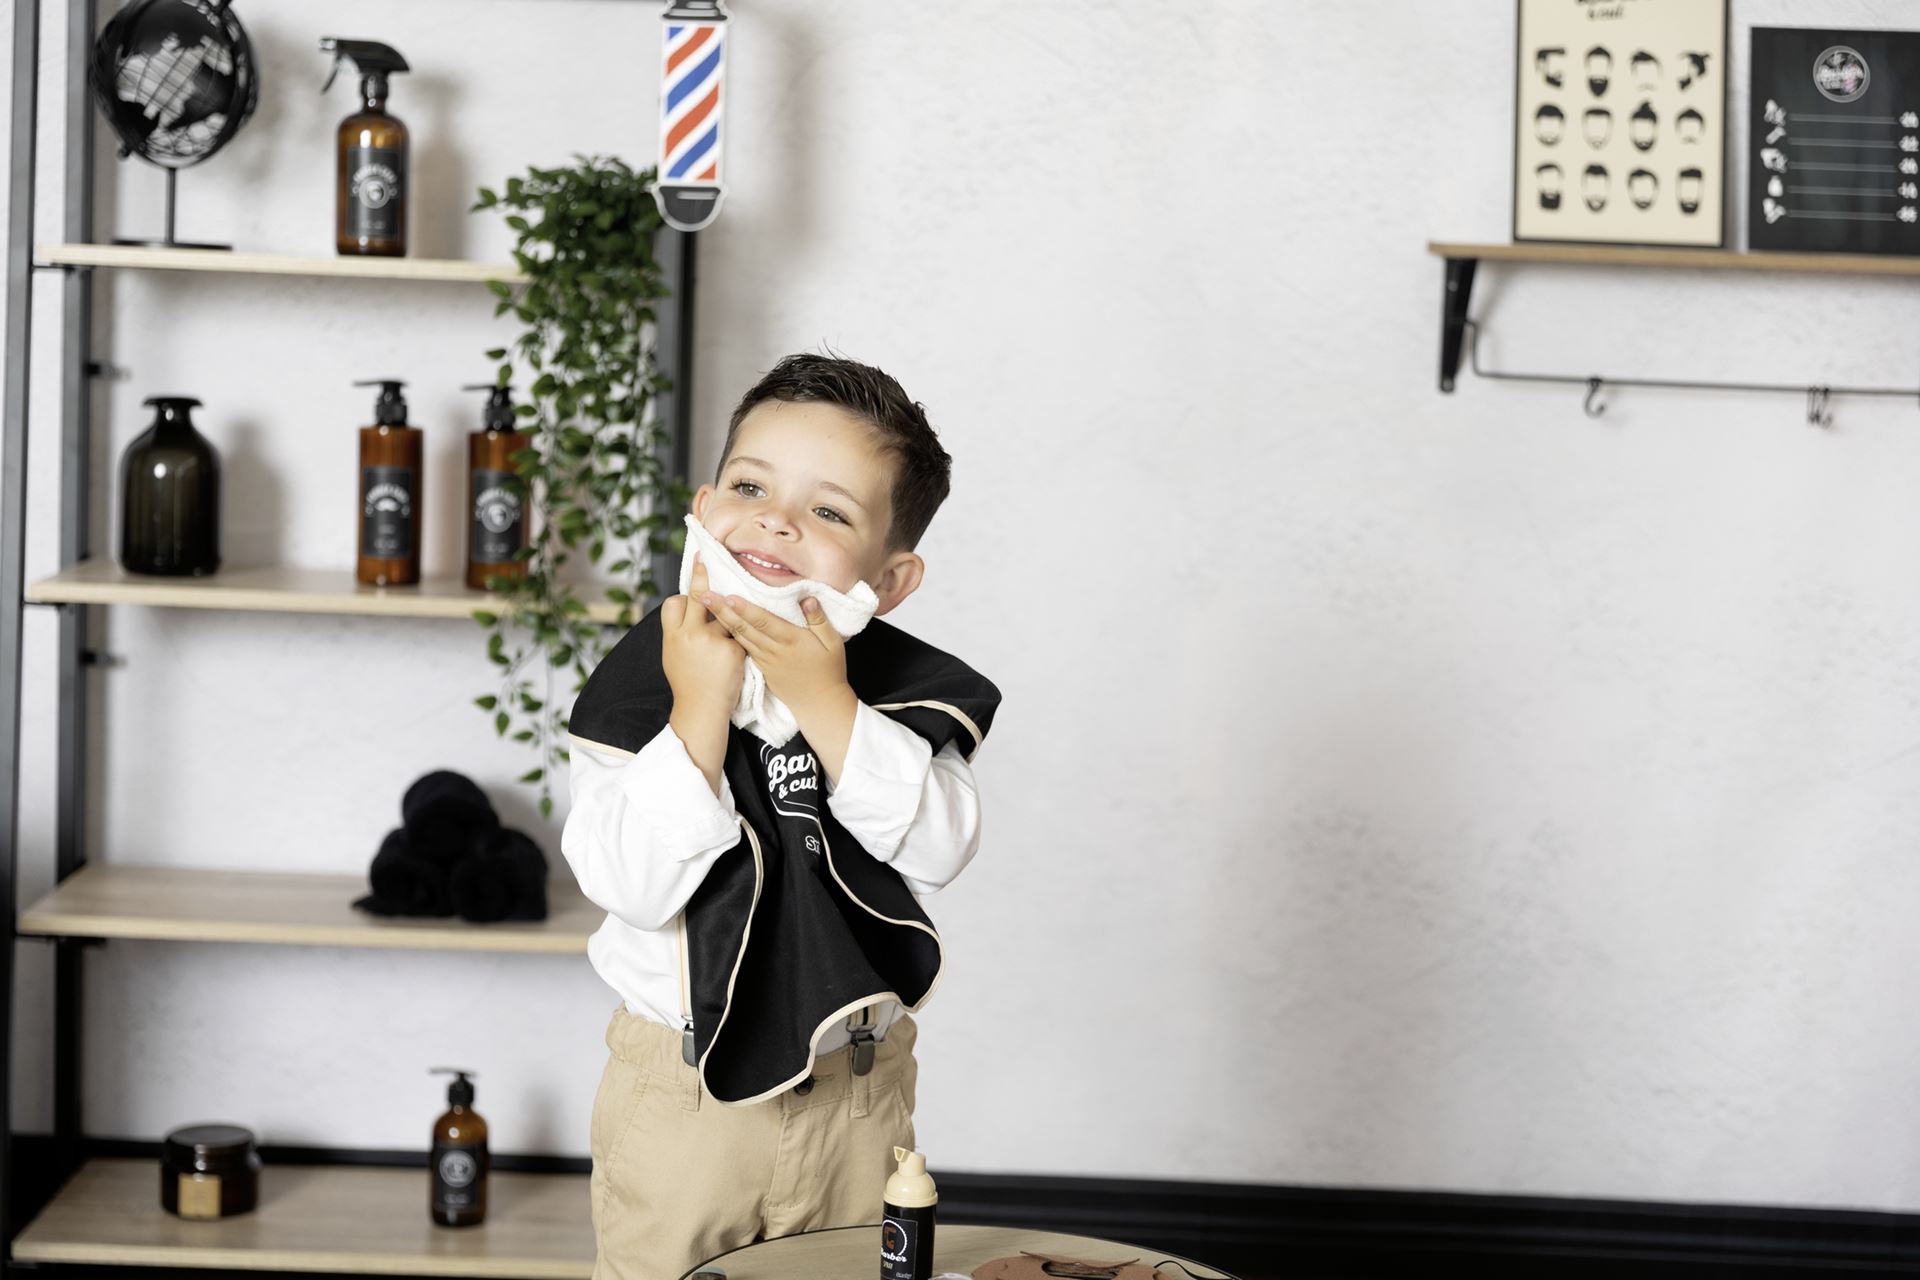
(673, 352)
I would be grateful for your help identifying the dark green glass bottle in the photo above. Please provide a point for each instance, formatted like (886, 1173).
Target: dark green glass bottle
(170, 495)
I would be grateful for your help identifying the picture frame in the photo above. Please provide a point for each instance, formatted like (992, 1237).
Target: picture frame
(1833, 141)
(1620, 122)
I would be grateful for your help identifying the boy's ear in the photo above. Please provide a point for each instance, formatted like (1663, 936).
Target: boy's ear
(701, 497)
(898, 579)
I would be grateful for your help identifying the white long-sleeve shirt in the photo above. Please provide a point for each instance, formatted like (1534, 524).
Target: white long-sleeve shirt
(645, 828)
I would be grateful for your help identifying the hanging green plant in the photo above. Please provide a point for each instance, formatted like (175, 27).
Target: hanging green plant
(591, 471)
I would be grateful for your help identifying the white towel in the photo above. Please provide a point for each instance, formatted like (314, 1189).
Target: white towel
(758, 711)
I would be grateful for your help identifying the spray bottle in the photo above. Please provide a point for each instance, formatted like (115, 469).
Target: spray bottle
(906, 1220)
(370, 175)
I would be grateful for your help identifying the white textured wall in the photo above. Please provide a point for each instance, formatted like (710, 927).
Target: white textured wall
(1391, 789)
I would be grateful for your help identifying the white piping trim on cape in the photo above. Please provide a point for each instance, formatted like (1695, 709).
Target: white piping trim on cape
(601, 746)
(813, 1041)
(965, 720)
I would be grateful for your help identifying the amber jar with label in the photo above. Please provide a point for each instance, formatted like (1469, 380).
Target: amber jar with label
(209, 1171)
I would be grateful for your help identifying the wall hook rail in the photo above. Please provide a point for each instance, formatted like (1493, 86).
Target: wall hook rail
(1818, 414)
(1818, 396)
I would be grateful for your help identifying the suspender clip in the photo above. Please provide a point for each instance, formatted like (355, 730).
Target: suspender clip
(861, 1036)
(687, 1055)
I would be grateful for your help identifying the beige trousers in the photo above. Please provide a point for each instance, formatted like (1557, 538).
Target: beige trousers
(678, 1178)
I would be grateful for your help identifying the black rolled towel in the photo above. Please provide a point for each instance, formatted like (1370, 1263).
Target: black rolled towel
(505, 878)
(529, 876)
(443, 813)
(404, 883)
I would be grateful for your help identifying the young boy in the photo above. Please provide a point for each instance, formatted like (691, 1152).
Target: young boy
(759, 833)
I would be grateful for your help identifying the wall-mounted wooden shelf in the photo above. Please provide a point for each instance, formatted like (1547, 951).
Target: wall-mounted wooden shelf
(273, 589)
(1463, 260)
(180, 904)
(319, 1218)
(1599, 255)
(142, 258)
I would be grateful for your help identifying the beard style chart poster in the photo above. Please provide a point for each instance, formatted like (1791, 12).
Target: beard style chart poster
(1620, 122)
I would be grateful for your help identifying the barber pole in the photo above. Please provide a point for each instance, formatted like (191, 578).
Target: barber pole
(692, 84)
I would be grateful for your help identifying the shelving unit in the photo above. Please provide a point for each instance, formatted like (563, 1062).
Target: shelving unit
(274, 590)
(1463, 262)
(227, 262)
(338, 1210)
(179, 904)
(357, 1221)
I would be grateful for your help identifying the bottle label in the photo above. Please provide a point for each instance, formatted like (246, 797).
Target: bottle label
(376, 192)
(900, 1249)
(199, 1195)
(497, 529)
(456, 1177)
(386, 510)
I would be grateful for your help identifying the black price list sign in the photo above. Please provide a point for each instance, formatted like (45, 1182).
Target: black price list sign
(1834, 141)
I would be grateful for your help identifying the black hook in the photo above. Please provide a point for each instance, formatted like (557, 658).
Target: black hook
(1592, 405)
(1818, 414)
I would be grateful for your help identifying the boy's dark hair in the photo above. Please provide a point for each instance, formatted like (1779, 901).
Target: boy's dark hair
(922, 472)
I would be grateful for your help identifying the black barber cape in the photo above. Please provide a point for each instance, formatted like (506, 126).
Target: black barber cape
(796, 926)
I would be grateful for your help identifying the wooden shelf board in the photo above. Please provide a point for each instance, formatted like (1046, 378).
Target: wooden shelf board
(319, 1218)
(275, 589)
(180, 904)
(1713, 259)
(142, 257)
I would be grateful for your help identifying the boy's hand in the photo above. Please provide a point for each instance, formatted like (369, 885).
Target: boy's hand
(803, 665)
(704, 664)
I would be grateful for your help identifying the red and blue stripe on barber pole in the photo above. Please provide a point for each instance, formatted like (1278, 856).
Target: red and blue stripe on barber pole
(688, 187)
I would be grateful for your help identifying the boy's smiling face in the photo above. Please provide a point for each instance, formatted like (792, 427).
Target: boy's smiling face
(808, 493)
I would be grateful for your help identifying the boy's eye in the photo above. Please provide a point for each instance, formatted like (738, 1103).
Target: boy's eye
(740, 487)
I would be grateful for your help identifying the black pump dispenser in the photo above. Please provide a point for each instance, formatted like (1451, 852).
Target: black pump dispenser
(498, 415)
(460, 1089)
(390, 407)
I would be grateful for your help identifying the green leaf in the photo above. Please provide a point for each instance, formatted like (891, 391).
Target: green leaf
(484, 618)
(532, 775)
(500, 723)
(501, 288)
(546, 806)
(486, 702)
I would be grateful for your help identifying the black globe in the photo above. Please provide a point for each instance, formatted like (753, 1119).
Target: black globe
(175, 79)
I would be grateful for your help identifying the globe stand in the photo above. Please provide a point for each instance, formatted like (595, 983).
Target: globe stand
(170, 242)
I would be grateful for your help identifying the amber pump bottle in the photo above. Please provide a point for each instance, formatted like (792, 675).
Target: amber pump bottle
(459, 1160)
(371, 182)
(496, 507)
(390, 483)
